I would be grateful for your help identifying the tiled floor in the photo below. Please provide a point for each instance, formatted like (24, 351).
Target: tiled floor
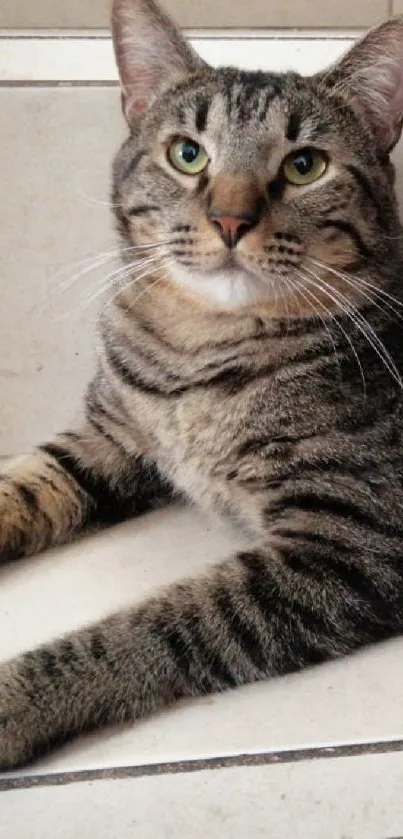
(317, 755)
(226, 14)
(344, 798)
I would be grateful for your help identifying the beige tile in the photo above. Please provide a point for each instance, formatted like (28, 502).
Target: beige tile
(397, 7)
(207, 13)
(344, 701)
(279, 13)
(54, 13)
(347, 798)
(57, 147)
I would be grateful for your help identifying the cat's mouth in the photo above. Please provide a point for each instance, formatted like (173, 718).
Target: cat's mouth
(231, 282)
(236, 262)
(233, 262)
(236, 278)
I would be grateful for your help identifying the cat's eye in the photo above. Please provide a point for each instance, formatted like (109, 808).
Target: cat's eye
(187, 156)
(304, 166)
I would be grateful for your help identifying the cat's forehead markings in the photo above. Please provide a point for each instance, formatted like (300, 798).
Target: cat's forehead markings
(293, 126)
(309, 131)
(201, 114)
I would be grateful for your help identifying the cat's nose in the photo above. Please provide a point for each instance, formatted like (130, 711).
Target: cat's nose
(231, 227)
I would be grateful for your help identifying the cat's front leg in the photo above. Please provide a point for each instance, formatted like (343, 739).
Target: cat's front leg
(81, 478)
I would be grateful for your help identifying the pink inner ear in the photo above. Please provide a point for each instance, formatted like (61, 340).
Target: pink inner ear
(383, 98)
(149, 51)
(396, 106)
(134, 108)
(371, 74)
(139, 85)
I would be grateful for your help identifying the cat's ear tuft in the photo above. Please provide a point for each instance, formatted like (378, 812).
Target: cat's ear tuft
(150, 53)
(371, 75)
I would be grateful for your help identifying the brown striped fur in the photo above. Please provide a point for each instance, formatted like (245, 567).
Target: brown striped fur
(260, 381)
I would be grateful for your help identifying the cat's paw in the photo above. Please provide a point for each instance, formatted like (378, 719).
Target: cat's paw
(13, 521)
(17, 726)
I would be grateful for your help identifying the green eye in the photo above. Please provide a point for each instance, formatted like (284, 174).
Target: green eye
(304, 166)
(187, 156)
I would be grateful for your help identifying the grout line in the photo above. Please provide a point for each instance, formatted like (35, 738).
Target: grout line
(284, 34)
(56, 779)
(280, 35)
(4, 83)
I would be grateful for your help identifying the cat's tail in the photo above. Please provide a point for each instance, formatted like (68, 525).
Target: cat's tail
(250, 617)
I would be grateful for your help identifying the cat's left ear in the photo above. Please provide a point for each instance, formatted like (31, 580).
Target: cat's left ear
(150, 53)
(371, 75)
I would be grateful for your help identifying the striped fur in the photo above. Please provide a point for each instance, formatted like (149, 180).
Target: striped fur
(270, 392)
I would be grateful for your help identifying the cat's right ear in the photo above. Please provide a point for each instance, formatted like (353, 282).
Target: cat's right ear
(371, 76)
(150, 53)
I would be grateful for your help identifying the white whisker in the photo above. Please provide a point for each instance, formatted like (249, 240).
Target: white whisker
(93, 262)
(89, 199)
(334, 320)
(164, 264)
(117, 276)
(353, 281)
(284, 298)
(362, 325)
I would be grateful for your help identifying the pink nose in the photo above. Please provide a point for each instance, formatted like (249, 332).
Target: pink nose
(231, 228)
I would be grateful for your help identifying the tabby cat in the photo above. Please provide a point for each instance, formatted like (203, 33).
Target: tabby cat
(251, 361)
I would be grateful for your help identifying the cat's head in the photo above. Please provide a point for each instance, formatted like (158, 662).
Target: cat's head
(258, 186)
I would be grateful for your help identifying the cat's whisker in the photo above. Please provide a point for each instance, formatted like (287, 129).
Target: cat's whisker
(92, 298)
(292, 291)
(129, 268)
(285, 285)
(384, 297)
(67, 284)
(317, 285)
(354, 281)
(129, 273)
(91, 263)
(311, 298)
(120, 250)
(348, 308)
(64, 266)
(115, 251)
(273, 289)
(149, 287)
(273, 285)
(296, 285)
(121, 272)
(115, 277)
(96, 202)
(362, 325)
(284, 300)
(165, 262)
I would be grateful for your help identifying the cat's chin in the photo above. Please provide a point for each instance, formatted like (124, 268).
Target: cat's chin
(227, 287)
